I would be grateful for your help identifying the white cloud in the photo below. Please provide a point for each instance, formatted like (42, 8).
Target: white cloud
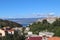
(52, 13)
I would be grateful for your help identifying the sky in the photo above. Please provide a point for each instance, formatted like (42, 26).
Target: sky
(28, 8)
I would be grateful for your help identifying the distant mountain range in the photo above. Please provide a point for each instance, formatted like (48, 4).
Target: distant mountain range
(24, 21)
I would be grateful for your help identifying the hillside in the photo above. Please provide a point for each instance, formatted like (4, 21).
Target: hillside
(36, 27)
(9, 23)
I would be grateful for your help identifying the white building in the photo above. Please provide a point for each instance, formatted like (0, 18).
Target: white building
(47, 34)
(2, 33)
(26, 30)
(49, 19)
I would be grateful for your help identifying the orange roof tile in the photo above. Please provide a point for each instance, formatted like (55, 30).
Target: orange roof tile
(54, 38)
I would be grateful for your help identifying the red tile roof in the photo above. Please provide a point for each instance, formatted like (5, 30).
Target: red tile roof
(35, 38)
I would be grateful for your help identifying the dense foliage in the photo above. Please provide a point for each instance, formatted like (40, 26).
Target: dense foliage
(4, 23)
(16, 36)
(36, 27)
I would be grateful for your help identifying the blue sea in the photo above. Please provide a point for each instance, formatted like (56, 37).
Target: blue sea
(24, 25)
(23, 21)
